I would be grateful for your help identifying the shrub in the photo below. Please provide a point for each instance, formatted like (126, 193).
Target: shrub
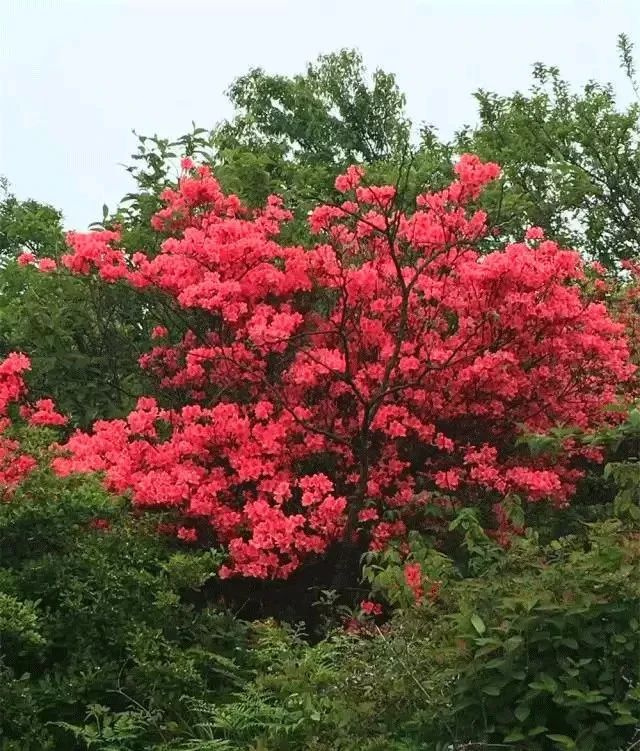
(95, 611)
(538, 653)
(341, 392)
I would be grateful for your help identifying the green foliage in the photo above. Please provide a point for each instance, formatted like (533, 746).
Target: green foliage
(539, 653)
(571, 161)
(330, 116)
(556, 660)
(27, 225)
(19, 626)
(83, 337)
(100, 615)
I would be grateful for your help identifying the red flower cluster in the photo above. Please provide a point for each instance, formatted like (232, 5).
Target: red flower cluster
(413, 580)
(43, 413)
(371, 608)
(187, 534)
(14, 464)
(44, 264)
(336, 383)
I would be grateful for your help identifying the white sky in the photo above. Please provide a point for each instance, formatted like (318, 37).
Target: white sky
(76, 76)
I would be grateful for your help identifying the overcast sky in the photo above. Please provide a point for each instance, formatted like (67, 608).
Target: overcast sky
(76, 76)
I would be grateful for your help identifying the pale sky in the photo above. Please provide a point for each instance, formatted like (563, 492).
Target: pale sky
(76, 76)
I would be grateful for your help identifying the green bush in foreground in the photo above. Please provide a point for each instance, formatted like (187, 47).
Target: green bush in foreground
(94, 611)
(540, 652)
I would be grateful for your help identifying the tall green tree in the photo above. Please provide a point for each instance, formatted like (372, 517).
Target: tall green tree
(571, 160)
(291, 135)
(27, 225)
(331, 115)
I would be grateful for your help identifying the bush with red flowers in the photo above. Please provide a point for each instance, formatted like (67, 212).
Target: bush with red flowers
(342, 392)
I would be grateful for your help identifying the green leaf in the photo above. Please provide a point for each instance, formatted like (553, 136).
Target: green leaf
(478, 624)
(563, 740)
(544, 683)
(626, 720)
(634, 419)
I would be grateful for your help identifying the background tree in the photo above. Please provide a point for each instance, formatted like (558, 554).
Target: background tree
(27, 225)
(83, 338)
(291, 136)
(570, 160)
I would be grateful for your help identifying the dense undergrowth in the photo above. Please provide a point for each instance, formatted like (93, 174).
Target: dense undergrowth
(107, 645)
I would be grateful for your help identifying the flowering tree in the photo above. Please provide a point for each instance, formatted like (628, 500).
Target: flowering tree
(339, 392)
